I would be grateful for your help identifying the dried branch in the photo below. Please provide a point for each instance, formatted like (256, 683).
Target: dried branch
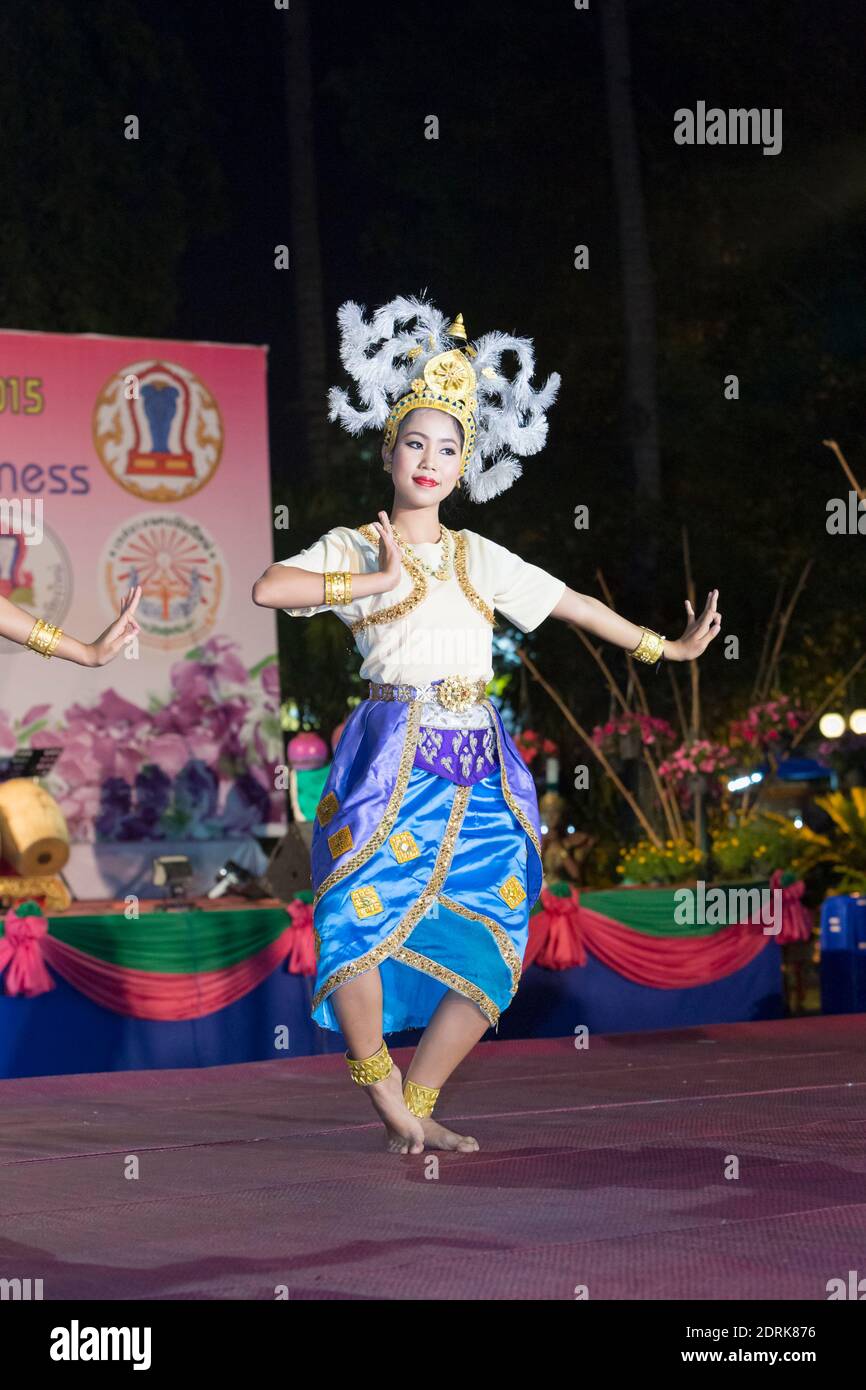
(596, 752)
(662, 791)
(816, 714)
(783, 627)
(759, 675)
(694, 673)
(678, 701)
(831, 444)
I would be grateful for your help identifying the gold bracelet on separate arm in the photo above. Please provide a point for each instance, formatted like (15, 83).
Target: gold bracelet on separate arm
(650, 648)
(338, 586)
(44, 637)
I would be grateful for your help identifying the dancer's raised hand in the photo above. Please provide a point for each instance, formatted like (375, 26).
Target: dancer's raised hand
(699, 632)
(390, 564)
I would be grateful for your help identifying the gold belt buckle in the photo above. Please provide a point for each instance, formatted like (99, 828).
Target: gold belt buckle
(457, 693)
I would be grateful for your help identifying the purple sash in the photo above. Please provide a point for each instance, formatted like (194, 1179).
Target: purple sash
(463, 756)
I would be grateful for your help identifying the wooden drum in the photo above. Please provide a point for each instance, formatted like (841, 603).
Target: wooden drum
(33, 834)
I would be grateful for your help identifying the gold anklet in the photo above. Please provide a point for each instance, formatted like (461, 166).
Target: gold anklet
(420, 1100)
(366, 1070)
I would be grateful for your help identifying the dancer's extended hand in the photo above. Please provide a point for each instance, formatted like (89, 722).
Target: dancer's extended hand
(389, 555)
(108, 645)
(699, 632)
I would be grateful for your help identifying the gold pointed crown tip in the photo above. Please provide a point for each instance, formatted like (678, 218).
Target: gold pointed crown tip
(457, 329)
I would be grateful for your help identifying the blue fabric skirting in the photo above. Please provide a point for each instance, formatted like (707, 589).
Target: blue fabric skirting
(439, 901)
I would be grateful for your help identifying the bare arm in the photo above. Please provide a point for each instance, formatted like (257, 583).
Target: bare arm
(289, 586)
(584, 611)
(17, 624)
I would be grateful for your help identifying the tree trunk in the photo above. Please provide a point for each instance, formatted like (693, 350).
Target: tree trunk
(638, 296)
(304, 251)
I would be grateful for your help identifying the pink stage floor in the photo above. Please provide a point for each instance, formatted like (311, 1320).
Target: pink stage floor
(603, 1168)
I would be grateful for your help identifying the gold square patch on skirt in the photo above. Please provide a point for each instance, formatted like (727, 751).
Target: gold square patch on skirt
(327, 809)
(366, 901)
(513, 891)
(404, 846)
(340, 841)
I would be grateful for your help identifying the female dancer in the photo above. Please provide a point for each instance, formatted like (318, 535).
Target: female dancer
(47, 639)
(426, 854)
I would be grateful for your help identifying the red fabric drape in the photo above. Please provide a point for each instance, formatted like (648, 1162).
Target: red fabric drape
(302, 949)
(559, 937)
(145, 994)
(22, 955)
(562, 933)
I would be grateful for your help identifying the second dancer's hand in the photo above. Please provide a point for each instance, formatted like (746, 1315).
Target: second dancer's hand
(109, 644)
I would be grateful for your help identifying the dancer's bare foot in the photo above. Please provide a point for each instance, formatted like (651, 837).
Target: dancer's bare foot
(404, 1133)
(436, 1136)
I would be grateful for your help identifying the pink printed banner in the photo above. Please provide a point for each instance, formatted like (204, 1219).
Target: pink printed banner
(124, 461)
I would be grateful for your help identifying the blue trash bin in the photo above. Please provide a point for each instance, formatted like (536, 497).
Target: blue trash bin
(843, 954)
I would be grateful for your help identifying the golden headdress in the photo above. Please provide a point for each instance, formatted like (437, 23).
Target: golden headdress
(408, 356)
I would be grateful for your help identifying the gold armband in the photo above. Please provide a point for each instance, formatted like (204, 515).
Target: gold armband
(650, 648)
(338, 586)
(44, 637)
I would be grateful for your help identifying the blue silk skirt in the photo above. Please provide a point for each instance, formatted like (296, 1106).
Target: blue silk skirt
(428, 880)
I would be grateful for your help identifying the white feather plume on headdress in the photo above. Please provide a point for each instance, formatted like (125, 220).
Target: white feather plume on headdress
(511, 412)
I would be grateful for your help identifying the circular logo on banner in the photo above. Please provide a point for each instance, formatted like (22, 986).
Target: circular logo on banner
(158, 431)
(181, 573)
(38, 577)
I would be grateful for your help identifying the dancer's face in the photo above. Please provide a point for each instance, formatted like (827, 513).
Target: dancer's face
(427, 448)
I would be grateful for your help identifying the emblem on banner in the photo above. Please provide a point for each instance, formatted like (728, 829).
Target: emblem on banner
(158, 431)
(181, 573)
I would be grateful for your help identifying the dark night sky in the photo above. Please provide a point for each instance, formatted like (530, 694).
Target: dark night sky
(756, 261)
(733, 52)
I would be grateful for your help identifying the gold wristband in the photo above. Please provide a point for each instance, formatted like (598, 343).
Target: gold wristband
(650, 648)
(44, 637)
(338, 586)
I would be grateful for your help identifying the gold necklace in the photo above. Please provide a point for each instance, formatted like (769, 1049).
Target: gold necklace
(446, 564)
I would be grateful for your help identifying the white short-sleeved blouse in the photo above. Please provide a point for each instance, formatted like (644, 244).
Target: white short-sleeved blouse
(408, 637)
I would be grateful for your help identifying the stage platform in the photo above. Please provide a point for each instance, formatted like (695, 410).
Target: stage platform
(603, 1168)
